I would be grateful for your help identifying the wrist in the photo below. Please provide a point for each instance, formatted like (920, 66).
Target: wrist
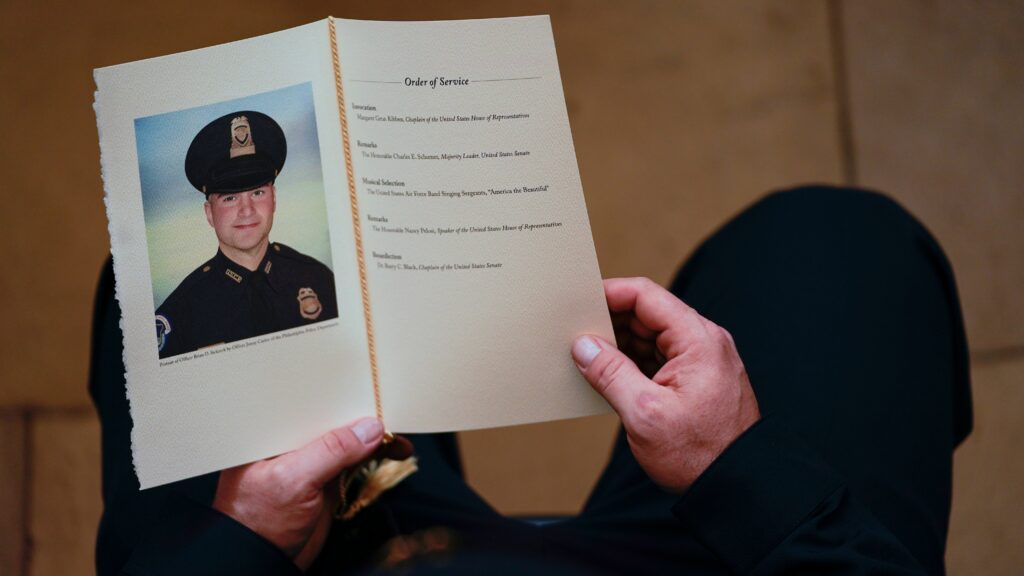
(234, 507)
(755, 493)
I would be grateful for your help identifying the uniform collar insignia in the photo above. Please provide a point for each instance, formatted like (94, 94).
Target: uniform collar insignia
(240, 273)
(231, 269)
(267, 268)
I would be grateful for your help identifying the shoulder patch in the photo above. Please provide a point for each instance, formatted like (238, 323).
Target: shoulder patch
(163, 328)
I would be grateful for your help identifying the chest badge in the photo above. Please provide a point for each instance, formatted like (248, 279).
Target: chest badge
(309, 304)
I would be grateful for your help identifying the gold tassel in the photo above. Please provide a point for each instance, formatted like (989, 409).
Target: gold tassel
(377, 477)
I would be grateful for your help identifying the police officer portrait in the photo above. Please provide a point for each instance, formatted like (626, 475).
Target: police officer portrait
(235, 220)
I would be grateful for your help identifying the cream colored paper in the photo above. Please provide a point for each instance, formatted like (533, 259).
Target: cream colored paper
(206, 413)
(461, 348)
(456, 348)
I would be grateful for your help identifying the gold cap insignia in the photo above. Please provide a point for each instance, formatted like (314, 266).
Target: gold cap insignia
(309, 304)
(241, 138)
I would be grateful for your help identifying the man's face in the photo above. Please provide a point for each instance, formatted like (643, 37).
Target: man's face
(242, 220)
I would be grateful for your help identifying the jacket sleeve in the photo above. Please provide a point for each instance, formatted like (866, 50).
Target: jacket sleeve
(770, 505)
(169, 529)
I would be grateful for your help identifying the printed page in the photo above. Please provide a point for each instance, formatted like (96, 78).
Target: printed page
(233, 252)
(479, 254)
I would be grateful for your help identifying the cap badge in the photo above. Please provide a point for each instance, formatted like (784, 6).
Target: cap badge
(241, 138)
(309, 304)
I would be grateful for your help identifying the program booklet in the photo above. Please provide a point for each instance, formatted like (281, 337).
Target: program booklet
(344, 219)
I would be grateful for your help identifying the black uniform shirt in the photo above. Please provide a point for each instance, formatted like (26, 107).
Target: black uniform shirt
(221, 301)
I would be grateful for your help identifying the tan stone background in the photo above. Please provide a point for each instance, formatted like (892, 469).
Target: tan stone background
(682, 112)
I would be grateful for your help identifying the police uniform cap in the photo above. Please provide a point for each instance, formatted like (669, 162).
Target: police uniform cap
(236, 152)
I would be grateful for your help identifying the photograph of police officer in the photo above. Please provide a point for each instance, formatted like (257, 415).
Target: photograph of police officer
(252, 285)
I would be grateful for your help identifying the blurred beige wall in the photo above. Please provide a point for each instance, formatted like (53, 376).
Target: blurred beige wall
(682, 113)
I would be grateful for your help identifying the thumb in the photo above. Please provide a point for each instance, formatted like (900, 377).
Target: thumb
(324, 458)
(612, 374)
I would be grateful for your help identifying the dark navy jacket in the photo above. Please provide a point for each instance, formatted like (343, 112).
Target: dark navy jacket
(767, 505)
(221, 302)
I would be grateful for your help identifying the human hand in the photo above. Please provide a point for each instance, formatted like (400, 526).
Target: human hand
(698, 398)
(289, 500)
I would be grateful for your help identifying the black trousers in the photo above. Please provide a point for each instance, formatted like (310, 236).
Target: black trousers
(845, 312)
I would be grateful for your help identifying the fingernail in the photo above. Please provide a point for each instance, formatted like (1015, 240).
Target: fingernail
(584, 350)
(368, 430)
